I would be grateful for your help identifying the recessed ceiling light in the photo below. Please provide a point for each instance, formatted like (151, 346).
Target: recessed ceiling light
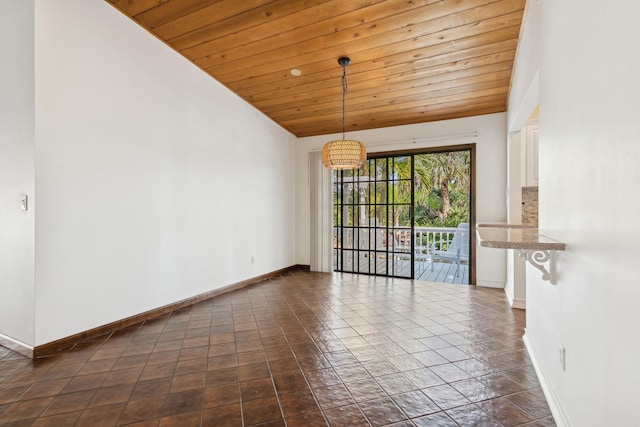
(295, 72)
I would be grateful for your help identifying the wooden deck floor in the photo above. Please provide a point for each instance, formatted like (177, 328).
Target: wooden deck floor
(443, 272)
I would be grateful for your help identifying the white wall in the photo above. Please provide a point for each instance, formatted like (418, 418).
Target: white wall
(491, 173)
(515, 286)
(589, 155)
(524, 91)
(17, 115)
(155, 183)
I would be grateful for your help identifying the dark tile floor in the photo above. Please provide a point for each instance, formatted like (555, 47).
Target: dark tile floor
(305, 349)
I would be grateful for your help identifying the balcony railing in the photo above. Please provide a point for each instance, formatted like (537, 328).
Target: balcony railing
(393, 245)
(396, 239)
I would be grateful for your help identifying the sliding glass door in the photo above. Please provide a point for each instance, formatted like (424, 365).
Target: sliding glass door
(373, 216)
(403, 215)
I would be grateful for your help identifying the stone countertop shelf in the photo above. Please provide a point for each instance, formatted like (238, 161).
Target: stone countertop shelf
(534, 247)
(515, 236)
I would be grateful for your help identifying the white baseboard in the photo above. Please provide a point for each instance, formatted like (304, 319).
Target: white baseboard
(554, 404)
(17, 346)
(519, 304)
(513, 302)
(490, 284)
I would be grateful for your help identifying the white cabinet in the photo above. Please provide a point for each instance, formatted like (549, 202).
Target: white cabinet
(529, 155)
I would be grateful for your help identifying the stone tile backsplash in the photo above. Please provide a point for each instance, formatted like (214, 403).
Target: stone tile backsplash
(530, 206)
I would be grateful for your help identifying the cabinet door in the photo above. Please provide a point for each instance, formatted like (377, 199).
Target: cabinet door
(532, 155)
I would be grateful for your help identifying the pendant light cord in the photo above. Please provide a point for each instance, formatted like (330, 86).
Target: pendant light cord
(344, 91)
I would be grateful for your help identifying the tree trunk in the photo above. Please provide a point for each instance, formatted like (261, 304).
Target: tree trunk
(446, 204)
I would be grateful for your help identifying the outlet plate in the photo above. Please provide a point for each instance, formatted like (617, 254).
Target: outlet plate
(563, 358)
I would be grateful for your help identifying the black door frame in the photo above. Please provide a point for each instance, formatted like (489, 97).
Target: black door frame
(387, 254)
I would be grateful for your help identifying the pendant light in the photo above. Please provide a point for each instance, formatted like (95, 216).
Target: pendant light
(344, 153)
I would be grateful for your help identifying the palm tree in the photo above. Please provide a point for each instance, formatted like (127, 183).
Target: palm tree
(436, 175)
(438, 172)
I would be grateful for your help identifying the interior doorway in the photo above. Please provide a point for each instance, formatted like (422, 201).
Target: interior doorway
(407, 215)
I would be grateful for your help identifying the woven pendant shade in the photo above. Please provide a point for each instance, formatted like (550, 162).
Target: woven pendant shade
(344, 154)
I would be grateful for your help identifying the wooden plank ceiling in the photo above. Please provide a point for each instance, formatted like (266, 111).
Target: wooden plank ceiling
(412, 61)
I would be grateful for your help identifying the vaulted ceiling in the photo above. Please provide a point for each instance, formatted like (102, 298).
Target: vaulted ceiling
(412, 61)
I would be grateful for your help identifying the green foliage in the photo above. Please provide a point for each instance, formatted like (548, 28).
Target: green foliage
(441, 193)
(442, 189)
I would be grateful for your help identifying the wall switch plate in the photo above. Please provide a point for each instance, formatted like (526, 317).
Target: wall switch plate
(562, 357)
(24, 202)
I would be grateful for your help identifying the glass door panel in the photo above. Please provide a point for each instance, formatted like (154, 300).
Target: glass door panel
(372, 205)
(405, 216)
